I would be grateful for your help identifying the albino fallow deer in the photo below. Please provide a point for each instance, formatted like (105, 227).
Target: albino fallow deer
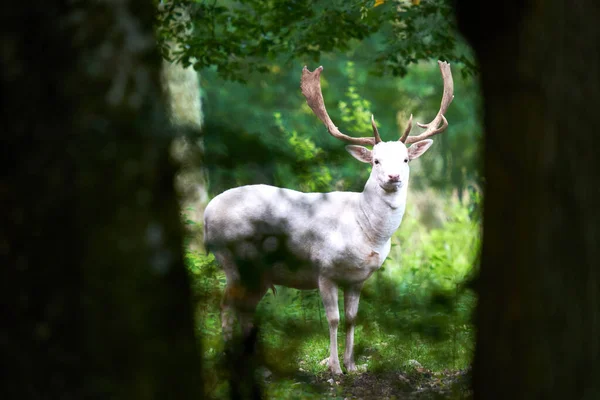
(263, 235)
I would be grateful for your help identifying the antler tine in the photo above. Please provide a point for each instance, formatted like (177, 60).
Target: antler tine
(375, 130)
(434, 127)
(407, 130)
(310, 84)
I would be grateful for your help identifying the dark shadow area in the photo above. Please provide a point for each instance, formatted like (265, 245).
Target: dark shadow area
(94, 295)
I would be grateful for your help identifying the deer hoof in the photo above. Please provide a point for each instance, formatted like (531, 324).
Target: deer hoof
(351, 367)
(336, 370)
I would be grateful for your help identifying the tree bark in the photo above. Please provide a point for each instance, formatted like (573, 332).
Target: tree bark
(538, 317)
(94, 292)
(182, 86)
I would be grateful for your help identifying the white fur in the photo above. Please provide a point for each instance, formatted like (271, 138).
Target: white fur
(264, 235)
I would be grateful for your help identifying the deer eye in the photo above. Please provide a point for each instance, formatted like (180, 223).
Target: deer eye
(406, 160)
(376, 161)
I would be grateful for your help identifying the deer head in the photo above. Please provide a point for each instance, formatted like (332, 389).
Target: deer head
(389, 160)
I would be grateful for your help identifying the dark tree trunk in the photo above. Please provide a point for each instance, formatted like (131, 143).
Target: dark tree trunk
(95, 297)
(538, 317)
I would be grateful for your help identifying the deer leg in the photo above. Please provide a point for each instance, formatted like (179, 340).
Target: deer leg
(351, 298)
(228, 313)
(241, 353)
(233, 291)
(241, 302)
(329, 294)
(246, 308)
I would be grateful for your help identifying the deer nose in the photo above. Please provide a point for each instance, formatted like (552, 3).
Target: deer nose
(394, 178)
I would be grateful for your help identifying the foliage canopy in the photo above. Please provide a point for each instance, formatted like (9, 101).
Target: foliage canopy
(244, 36)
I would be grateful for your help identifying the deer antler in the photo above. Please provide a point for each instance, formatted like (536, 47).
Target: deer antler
(375, 130)
(407, 130)
(434, 127)
(310, 84)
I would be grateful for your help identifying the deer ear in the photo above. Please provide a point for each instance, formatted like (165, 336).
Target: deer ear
(360, 153)
(419, 148)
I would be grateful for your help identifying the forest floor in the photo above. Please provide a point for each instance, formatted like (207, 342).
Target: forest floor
(418, 383)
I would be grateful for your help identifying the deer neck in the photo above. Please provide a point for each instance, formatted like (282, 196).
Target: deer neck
(380, 212)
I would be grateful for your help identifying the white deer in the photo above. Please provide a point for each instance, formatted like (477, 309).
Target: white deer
(263, 235)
